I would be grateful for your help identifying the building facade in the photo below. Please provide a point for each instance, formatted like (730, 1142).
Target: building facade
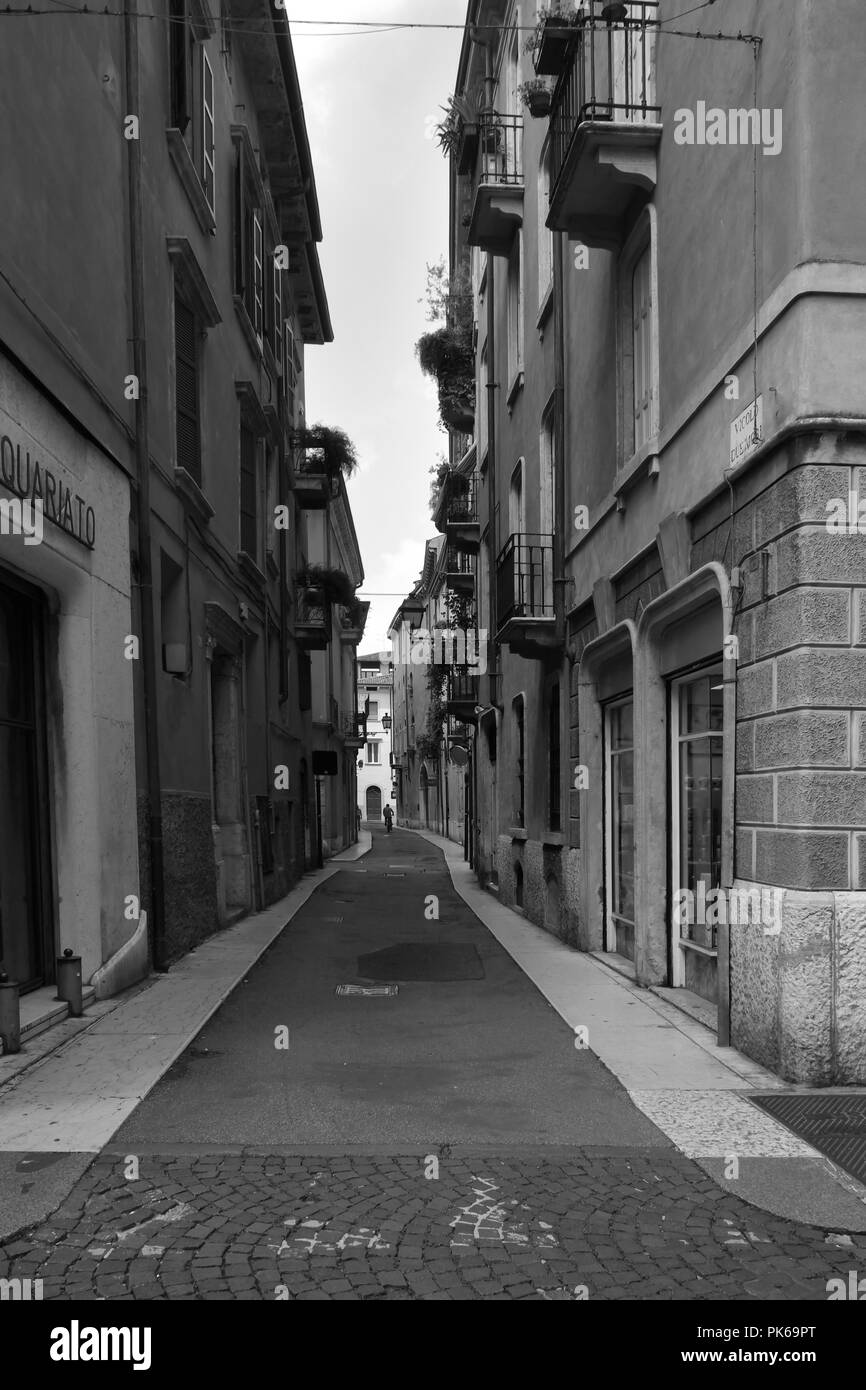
(376, 785)
(668, 292)
(183, 634)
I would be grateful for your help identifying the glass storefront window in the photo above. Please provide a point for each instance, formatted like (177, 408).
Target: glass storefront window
(699, 776)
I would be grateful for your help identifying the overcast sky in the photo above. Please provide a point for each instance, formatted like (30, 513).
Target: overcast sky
(370, 101)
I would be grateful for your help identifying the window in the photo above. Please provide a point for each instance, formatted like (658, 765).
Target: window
(192, 87)
(520, 749)
(275, 334)
(637, 334)
(545, 235)
(548, 473)
(481, 418)
(515, 312)
(249, 494)
(642, 346)
(373, 750)
(372, 709)
(516, 503)
(273, 472)
(290, 369)
(206, 168)
(249, 240)
(172, 616)
(554, 790)
(186, 390)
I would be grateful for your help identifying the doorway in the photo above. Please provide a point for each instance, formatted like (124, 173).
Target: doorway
(697, 747)
(25, 916)
(374, 803)
(619, 931)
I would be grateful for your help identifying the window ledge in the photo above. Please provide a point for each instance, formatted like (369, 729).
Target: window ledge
(188, 175)
(544, 309)
(554, 838)
(645, 460)
(701, 950)
(251, 569)
(515, 388)
(517, 834)
(247, 325)
(192, 493)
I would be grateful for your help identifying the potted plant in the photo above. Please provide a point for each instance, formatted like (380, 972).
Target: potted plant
(553, 35)
(537, 94)
(457, 134)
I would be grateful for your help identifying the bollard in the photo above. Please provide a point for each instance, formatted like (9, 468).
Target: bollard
(10, 1015)
(69, 982)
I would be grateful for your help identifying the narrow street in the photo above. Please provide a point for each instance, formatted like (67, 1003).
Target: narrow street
(448, 1141)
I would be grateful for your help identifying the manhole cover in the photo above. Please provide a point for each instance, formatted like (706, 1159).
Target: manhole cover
(437, 961)
(368, 991)
(835, 1125)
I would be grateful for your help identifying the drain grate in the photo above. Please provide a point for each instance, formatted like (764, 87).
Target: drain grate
(367, 991)
(835, 1125)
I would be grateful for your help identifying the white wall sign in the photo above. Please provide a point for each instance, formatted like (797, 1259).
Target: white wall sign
(747, 431)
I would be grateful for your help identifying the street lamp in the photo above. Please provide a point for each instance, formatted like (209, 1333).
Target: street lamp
(386, 723)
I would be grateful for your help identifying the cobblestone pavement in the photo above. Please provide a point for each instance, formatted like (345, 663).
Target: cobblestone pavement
(578, 1224)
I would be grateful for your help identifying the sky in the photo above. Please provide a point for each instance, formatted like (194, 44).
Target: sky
(371, 101)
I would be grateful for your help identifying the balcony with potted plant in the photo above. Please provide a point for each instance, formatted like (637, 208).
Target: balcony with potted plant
(320, 589)
(447, 354)
(605, 124)
(457, 135)
(322, 456)
(456, 512)
(497, 206)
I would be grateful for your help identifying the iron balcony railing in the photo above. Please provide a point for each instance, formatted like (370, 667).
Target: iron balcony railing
(463, 685)
(500, 149)
(524, 578)
(461, 503)
(609, 74)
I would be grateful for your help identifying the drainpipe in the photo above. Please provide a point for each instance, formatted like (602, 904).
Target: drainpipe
(560, 514)
(142, 501)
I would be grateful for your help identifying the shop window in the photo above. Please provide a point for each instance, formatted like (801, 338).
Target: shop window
(620, 828)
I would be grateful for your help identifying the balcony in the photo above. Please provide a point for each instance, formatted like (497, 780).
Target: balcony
(457, 512)
(605, 127)
(313, 621)
(462, 694)
(524, 595)
(459, 571)
(497, 210)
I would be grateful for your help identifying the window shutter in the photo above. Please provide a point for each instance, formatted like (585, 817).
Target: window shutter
(258, 273)
(207, 129)
(240, 227)
(642, 343)
(186, 390)
(249, 499)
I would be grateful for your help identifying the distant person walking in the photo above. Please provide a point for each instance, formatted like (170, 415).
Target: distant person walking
(388, 815)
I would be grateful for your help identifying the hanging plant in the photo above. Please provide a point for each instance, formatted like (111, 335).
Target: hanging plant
(457, 134)
(334, 585)
(338, 453)
(537, 95)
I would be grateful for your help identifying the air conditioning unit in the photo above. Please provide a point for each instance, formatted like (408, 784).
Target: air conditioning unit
(174, 658)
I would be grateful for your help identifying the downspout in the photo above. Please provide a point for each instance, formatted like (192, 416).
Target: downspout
(143, 503)
(560, 582)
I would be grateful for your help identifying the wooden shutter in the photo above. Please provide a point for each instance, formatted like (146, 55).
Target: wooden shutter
(642, 343)
(240, 227)
(207, 129)
(188, 432)
(249, 498)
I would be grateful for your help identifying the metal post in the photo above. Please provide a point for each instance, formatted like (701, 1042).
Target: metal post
(69, 985)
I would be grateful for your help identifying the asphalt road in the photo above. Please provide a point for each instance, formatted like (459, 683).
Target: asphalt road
(482, 1058)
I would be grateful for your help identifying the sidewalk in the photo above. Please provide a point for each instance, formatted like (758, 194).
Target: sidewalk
(673, 1070)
